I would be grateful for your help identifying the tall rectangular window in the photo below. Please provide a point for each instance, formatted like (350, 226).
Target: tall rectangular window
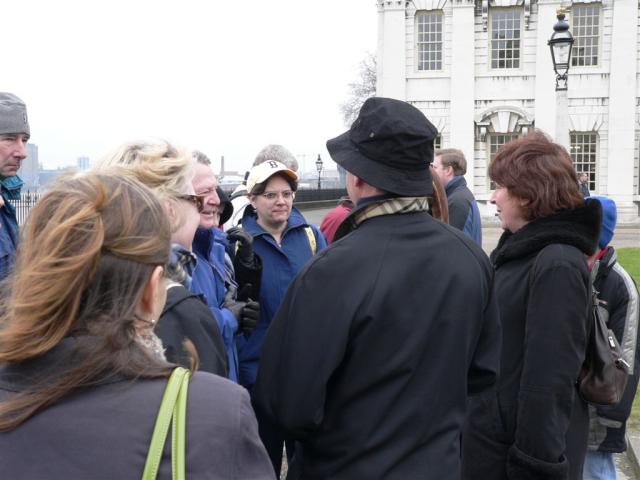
(505, 38)
(437, 142)
(496, 140)
(584, 153)
(429, 40)
(585, 19)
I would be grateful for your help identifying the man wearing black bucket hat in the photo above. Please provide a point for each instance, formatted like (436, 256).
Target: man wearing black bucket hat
(382, 336)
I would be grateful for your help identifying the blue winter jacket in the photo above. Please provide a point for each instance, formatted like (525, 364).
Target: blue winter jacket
(211, 279)
(10, 190)
(463, 209)
(280, 265)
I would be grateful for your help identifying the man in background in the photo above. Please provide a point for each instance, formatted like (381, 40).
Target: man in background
(450, 165)
(14, 135)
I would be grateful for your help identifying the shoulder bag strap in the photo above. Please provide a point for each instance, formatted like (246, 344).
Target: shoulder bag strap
(165, 413)
(179, 428)
(312, 239)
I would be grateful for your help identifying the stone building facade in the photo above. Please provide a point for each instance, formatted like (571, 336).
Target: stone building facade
(482, 73)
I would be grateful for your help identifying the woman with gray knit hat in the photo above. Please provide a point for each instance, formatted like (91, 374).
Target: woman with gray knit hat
(14, 135)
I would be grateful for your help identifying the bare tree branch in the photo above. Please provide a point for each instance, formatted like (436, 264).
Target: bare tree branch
(364, 88)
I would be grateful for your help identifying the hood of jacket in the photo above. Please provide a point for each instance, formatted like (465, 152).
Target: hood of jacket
(455, 183)
(205, 239)
(578, 227)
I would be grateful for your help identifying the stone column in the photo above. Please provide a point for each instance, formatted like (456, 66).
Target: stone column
(622, 101)
(546, 109)
(463, 83)
(392, 40)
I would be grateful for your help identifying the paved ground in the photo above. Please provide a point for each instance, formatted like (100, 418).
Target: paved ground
(626, 236)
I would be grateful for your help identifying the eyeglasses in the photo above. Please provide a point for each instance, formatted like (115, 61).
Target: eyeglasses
(197, 200)
(286, 195)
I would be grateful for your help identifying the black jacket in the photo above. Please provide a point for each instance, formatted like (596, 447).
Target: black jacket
(103, 432)
(464, 213)
(186, 316)
(619, 294)
(537, 426)
(369, 361)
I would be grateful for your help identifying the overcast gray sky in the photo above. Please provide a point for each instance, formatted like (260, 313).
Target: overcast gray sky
(226, 77)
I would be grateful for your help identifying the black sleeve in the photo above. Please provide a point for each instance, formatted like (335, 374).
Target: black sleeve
(458, 212)
(249, 277)
(624, 317)
(191, 319)
(485, 364)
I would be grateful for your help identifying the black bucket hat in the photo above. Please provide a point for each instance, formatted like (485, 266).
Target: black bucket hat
(389, 146)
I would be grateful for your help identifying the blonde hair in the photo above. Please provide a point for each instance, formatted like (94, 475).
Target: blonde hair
(87, 251)
(166, 169)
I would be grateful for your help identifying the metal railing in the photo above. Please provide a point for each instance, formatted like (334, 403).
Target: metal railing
(23, 206)
(29, 198)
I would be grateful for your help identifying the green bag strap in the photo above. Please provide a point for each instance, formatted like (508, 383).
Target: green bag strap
(179, 447)
(175, 385)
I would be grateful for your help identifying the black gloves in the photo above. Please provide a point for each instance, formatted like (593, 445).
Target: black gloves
(246, 313)
(250, 316)
(245, 244)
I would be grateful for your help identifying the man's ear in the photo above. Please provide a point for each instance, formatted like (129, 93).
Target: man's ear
(147, 306)
(358, 181)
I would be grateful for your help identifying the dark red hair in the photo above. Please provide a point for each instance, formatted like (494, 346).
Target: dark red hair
(538, 171)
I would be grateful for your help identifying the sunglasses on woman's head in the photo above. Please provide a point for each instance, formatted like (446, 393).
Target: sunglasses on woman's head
(197, 200)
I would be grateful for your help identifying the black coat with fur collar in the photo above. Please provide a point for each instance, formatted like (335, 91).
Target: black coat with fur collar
(536, 427)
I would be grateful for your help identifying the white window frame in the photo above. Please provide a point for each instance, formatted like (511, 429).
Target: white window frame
(492, 13)
(490, 136)
(577, 35)
(418, 16)
(578, 153)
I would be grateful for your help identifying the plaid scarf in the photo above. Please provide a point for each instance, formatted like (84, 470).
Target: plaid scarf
(387, 206)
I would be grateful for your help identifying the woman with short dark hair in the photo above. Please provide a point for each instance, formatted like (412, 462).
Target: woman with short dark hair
(536, 426)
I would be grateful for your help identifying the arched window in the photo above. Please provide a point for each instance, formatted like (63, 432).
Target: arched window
(498, 126)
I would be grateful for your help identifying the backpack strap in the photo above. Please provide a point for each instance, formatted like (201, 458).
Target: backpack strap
(312, 239)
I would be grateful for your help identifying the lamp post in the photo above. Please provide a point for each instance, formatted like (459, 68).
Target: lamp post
(319, 168)
(560, 45)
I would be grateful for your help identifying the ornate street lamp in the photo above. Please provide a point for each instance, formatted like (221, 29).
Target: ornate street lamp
(560, 44)
(319, 168)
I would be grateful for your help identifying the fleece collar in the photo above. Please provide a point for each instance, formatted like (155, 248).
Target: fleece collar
(578, 227)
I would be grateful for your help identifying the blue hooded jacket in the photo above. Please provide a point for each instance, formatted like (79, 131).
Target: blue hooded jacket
(10, 190)
(280, 265)
(211, 278)
(464, 213)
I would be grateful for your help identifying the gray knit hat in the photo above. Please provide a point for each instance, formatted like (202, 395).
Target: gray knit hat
(13, 114)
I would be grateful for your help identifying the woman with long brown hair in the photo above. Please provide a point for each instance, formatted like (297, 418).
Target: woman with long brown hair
(536, 426)
(80, 384)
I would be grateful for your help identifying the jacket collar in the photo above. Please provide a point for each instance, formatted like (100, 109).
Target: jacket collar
(205, 238)
(250, 221)
(384, 206)
(454, 184)
(578, 227)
